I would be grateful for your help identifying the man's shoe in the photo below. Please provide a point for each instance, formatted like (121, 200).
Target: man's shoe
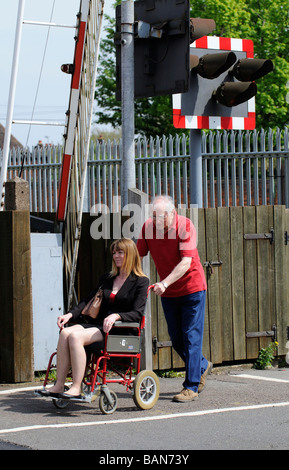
(203, 377)
(186, 395)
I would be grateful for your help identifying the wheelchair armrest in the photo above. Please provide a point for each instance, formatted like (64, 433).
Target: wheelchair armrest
(126, 324)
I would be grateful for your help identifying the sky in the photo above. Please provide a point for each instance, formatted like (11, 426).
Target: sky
(52, 98)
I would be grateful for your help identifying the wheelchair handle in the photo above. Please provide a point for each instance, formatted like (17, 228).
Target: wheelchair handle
(149, 288)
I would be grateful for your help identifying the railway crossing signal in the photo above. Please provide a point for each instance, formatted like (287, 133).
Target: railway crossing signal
(163, 32)
(161, 47)
(222, 87)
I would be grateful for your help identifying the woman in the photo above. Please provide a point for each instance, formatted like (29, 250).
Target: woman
(124, 298)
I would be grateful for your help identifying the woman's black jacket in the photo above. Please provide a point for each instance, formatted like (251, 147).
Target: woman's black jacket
(129, 302)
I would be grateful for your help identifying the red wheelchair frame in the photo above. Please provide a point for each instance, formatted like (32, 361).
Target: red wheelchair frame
(144, 385)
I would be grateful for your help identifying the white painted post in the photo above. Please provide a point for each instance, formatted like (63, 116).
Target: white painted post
(7, 138)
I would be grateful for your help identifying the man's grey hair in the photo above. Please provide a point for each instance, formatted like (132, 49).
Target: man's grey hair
(167, 201)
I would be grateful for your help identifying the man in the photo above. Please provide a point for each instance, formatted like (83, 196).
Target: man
(171, 239)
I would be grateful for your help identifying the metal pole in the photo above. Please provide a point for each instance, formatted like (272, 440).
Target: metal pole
(196, 173)
(127, 98)
(7, 138)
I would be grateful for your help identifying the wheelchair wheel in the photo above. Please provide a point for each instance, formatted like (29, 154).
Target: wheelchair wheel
(59, 403)
(146, 389)
(105, 407)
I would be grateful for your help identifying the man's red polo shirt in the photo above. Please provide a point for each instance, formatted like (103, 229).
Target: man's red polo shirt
(167, 250)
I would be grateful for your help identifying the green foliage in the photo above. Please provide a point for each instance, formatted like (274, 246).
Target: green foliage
(266, 356)
(170, 374)
(263, 21)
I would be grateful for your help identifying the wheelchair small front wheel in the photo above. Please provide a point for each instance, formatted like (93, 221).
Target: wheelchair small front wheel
(146, 389)
(105, 407)
(59, 403)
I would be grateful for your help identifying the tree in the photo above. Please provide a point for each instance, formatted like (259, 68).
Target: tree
(263, 21)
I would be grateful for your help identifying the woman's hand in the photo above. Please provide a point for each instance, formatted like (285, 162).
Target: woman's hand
(63, 319)
(110, 321)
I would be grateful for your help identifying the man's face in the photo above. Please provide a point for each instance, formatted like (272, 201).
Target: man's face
(161, 219)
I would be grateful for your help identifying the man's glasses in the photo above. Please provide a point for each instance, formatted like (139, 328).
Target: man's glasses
(160, 216)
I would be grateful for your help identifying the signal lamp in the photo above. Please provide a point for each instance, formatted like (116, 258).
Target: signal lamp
(200, 27)
(248, 70)
(234, 93)
(213, 65)
(67, 68)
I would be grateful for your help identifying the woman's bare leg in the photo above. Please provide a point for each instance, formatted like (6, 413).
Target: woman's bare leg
(78, 338)
(63, 360)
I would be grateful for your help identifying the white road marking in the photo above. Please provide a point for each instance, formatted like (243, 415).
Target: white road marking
(24, 389)
(147, 418)
(17, 390)
(258, 377)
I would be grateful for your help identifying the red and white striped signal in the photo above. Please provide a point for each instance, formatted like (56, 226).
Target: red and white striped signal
(213, 115)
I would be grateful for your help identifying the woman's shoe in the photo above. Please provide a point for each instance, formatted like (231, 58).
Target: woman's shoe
(47, 393)
(66, 396)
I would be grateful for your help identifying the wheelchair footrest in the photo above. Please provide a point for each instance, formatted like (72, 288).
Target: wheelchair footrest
(82, 399)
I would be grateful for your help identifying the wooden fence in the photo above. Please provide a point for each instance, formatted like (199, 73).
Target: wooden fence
(245, 254)
(16, 332)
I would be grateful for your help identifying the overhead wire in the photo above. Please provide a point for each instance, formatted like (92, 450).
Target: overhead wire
(37, 89)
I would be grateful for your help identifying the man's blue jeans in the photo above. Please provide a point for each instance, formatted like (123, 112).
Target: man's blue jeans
(185, 319)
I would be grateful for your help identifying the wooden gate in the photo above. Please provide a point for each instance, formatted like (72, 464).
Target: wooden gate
(245, 254)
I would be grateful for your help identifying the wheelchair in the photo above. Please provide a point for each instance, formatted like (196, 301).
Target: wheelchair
(119, 361)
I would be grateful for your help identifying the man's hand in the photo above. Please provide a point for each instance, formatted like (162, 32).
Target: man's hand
(176, 274)
(159, 288)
